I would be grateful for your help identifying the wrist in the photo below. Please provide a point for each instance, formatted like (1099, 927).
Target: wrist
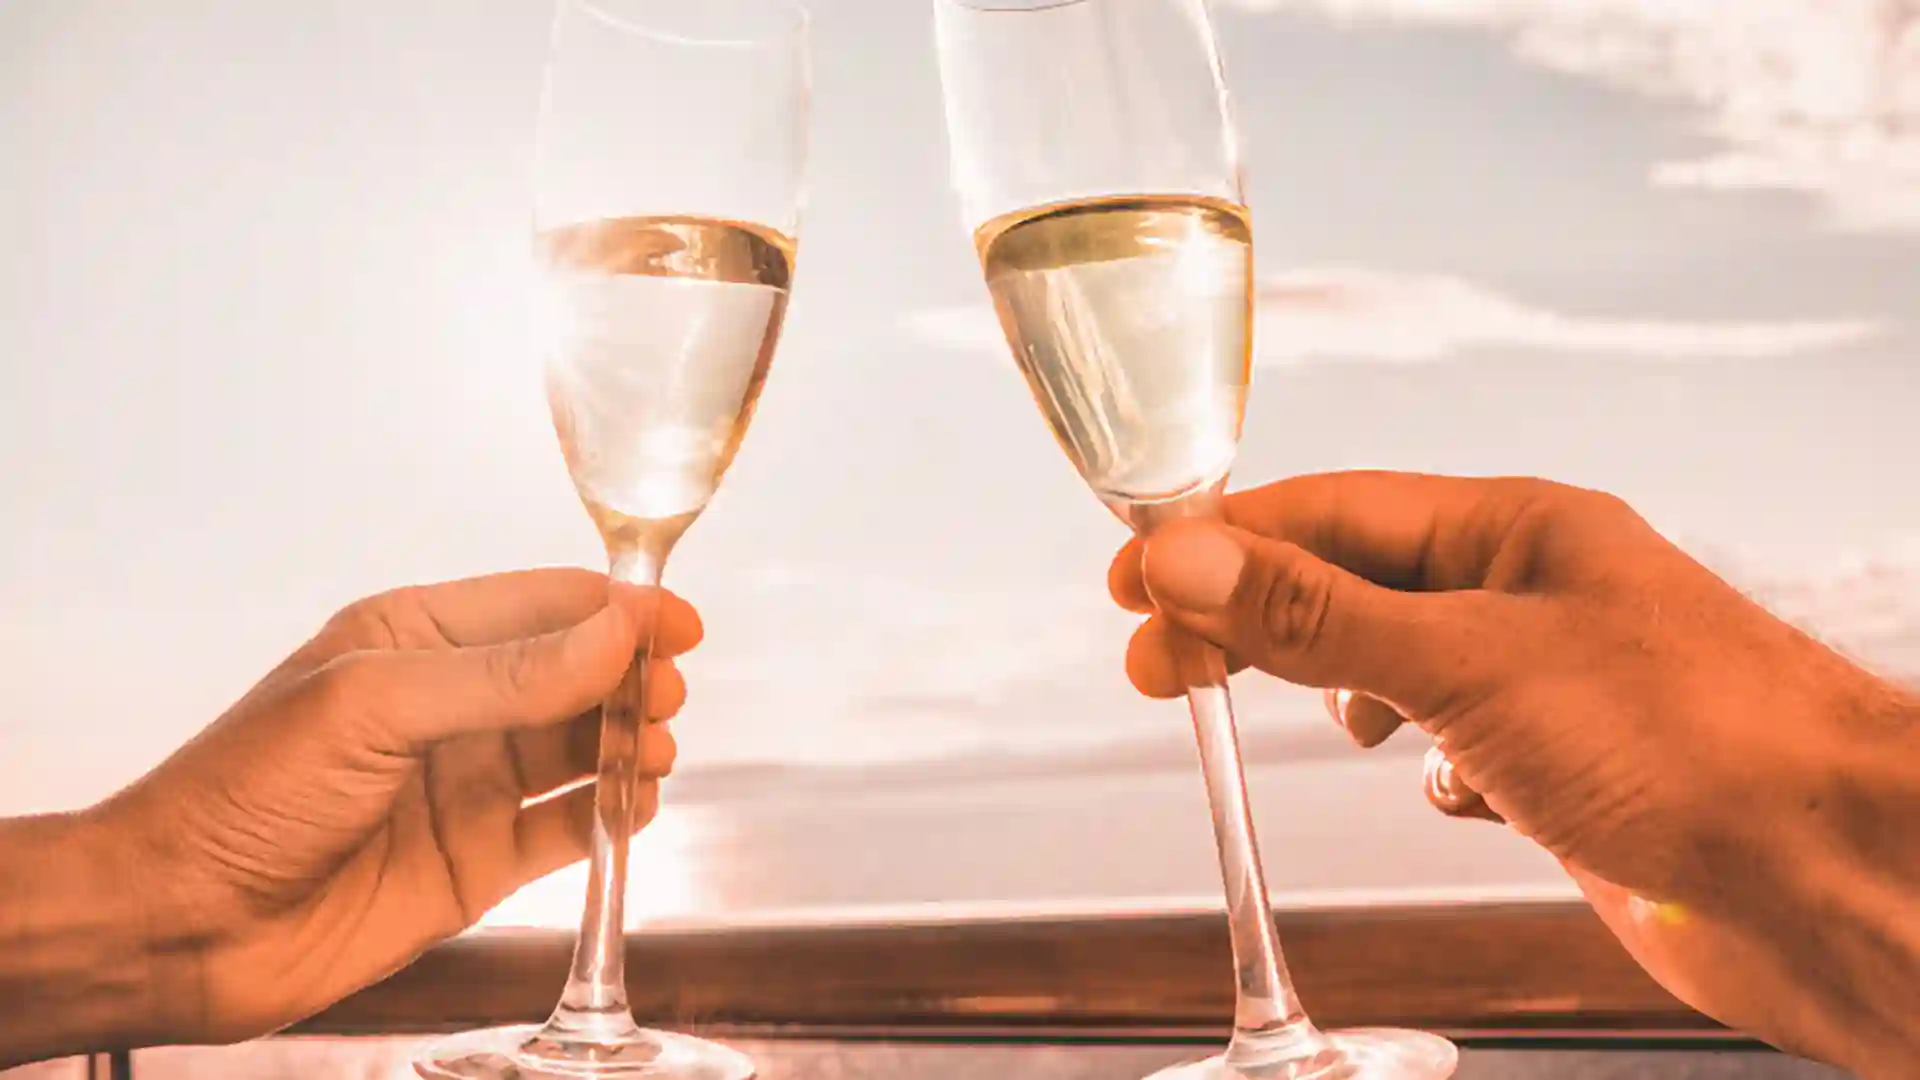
(80, 968)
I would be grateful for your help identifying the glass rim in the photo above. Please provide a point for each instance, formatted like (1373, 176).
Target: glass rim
(788, 20)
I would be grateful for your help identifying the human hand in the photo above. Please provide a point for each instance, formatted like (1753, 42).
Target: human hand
(1719, 784)
(368, 797)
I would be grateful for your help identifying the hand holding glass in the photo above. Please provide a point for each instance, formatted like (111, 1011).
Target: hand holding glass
(1096, 159)
(672, 147)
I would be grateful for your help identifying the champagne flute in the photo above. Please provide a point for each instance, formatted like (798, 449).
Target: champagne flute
(668, 186)
(1096, 161)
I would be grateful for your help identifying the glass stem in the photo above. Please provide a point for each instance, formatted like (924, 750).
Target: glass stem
(593, 1008)
(1270, 1027)
(1272, 1035)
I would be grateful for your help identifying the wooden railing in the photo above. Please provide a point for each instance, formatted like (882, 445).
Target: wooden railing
(1479, 970)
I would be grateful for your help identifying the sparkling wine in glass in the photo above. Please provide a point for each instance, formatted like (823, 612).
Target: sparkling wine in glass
(672, 147)
(1096, 161)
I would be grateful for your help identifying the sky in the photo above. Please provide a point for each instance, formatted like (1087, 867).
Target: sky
(262, 349)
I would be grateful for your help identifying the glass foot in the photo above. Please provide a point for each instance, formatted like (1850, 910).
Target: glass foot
(1360, 1054)
(510, 1054)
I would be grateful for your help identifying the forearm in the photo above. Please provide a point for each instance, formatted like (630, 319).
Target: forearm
(77, 970)
(1849, 911)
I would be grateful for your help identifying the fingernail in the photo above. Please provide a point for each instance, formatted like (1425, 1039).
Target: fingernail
(1194, 568)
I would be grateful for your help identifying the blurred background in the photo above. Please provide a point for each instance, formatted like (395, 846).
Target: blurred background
(263, 351)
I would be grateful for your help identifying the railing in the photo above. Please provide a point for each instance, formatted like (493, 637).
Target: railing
(1528, 971)
(1480, 970)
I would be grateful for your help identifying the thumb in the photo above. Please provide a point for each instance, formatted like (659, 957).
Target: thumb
(1281, 609)
(422, 696)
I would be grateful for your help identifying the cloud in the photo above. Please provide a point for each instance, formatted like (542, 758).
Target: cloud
(849, 668)
(1818, 97)
(1361, 314)
(1865, 603)
(1366, 314)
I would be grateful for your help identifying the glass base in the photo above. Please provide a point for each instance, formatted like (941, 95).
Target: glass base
(510, 1054)
(1360, 1054)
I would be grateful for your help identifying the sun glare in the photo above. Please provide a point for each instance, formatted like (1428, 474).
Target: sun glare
(660, 881)
(552, 318)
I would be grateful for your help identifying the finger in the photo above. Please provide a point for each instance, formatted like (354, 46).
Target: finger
(557, 833)
(480, 611)
(554, 758)
(471, 804)
(1150, 663)
(1368, 721)
(1402, 530)
(1124, 582)
(528, 603)
(666, 691)
(417, 697)
(650, 746)
(1450, 794)
(658, 751)
(501, 607)
(1151, 666)
(1315, 624)
(549, 758)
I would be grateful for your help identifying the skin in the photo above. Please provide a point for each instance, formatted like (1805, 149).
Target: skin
(1735, 799)
(397, 776)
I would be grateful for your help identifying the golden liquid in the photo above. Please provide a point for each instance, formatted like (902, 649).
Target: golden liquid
(1132, 320)
(659, 334)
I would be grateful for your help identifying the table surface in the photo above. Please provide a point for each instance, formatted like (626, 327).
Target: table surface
(386, 1059)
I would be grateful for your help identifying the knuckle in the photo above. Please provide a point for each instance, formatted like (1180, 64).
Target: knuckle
(348, 691)
(345, 680)
(1581, 513)
(1527, 532)
(349, 628)
(1557, 534)
(395, 619)
(361, 610)
(1600, 505)
(368, 622)
(1533, 506)
(510, 668)
(1556, 505)
(1294, 604)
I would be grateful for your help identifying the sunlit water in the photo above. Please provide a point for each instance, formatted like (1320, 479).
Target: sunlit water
(1358, 828)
